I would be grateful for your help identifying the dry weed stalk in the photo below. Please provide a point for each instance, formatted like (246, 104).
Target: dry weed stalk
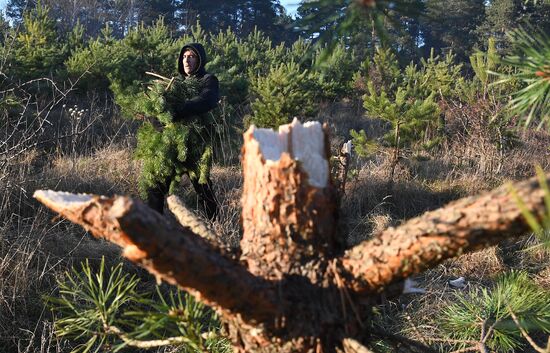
(294, 289)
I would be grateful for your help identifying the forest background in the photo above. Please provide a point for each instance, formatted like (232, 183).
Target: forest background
(422, 88)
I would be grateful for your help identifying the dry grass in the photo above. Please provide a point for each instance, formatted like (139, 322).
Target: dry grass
(228, 187)
(108, 171)
(34, 254)
(35, 250)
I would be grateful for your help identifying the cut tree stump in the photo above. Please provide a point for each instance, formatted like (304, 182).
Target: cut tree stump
(293, 289)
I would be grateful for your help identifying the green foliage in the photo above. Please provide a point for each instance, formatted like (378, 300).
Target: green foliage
(362, 145)
(75, 38)
(145, 49)
(489, 311)
(37, 51)
(4, 29)
(104, 311)
(179, 149)
(436, 76)
(283, 93)
(385, 73)
(352, 21)
(408, 115)
(176, 149)
(95, 61)
(449, 25)
(334, 72)
(504, 16)
(531, 61)
(89, 303)
(124, 62)
(257, 53)
(485, 62)
(228, 65)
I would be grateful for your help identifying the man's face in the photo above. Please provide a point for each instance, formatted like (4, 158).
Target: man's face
(190, 61)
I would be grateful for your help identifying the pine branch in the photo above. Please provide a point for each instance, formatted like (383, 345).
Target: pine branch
(465, 225)
(188, 219)
(525, 334)
(171, 253)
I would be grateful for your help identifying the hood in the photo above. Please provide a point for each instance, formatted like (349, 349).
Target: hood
(201, 53)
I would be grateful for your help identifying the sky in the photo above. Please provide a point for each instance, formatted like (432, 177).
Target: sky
(290, 5)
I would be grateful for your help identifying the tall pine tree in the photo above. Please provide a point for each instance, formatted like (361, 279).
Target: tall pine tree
(242, 16)
(450, 25)
(503, 16)
(37, 51)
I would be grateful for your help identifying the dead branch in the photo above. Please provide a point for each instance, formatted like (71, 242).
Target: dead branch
(173, 254)
(189, 219)
(465, 225)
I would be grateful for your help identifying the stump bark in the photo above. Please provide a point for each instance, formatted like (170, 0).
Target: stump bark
(293, 289)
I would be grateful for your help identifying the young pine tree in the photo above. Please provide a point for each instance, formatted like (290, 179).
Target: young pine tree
(283, 93)
(37, 48)
(408, 115)
(167, 148)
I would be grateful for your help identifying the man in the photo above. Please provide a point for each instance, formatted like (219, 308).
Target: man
(192, 60)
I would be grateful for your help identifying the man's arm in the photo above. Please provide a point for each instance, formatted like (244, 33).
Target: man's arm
(206, 100)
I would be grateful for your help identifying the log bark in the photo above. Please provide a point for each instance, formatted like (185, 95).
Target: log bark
(462, 226)
(288, 218)
(171, 253)
(293, 290)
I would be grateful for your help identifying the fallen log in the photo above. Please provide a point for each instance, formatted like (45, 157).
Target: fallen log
(293, 289)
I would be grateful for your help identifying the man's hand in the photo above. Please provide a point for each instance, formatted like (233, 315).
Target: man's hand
(157, 125)
(162, 104)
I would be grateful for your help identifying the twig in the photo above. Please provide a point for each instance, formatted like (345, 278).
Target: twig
(128, 340)
(340, 286)
(404, 340)
(170, 84)
(484, 336)
(467, 349)
(415, 329)
(157, 75)
(525, 334)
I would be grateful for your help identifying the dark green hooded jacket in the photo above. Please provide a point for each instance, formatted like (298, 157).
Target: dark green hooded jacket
(210, 93)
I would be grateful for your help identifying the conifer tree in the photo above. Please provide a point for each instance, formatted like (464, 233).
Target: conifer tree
(123, 63)
(437, 75)
(177, 148)
(503, 16)
(450, 25)
(334, 72)
(384, 72)
(483, 63)
(4, 29)
(496, 316)
(285, 92)
(37, 51)
(392, 98)
(97, 59)
(226, 62)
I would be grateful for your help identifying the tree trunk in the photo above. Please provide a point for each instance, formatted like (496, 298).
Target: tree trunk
(293, 289)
